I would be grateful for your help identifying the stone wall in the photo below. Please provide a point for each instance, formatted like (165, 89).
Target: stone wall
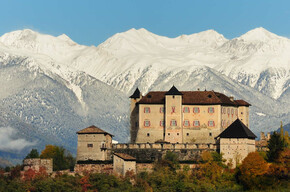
(94, 168)
(36, 163)
(150, 152)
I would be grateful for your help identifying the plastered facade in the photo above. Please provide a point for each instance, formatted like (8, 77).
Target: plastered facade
(192, 123)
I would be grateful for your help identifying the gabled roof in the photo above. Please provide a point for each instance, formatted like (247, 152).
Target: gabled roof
(136, 94)
(93, 130)
(125, 156)
(237, 130)
(173, 91)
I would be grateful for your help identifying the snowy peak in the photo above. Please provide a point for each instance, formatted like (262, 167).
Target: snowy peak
(30, 42)
(208, 37)
(66, 38)
(258, 35)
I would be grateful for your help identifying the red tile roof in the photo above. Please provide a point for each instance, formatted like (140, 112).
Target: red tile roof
(242, 103)
(125, 156)
(93, 130)
(193, 98)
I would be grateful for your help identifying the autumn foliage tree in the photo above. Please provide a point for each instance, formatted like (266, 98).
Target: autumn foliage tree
(253, 168)
(62, 159)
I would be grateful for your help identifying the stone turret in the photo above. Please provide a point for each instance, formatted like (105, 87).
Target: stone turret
(134, 114)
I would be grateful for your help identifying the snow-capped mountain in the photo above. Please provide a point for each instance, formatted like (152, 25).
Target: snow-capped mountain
(54, 86)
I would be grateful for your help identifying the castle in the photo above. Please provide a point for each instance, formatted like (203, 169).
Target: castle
(186, 122)
(183, 117)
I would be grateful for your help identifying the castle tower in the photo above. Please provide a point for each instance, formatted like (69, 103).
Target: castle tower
(236, 142)
(173, 116)
(134, 114)
(93, 143)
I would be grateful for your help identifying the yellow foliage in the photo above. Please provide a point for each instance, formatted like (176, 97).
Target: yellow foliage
(49, 151)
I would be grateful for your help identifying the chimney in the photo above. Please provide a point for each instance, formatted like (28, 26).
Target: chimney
(231, 98)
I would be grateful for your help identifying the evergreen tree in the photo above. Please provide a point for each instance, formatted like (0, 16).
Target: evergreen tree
(33, 154)
(276, 144)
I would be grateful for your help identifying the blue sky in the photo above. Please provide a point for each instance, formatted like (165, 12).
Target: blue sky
(91, 22)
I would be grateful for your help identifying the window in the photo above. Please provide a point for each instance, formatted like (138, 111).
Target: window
(173, 109)
(146, 109)
(236, 112)
(186, 123)
(148, 134)
(228, 111)
(196, 123)
(242, 113)
(146, 123)
(162, 123)
(210, 134)
(177, 133)
(161, 110)
(224, 110)
(196, 110)
(168, 133)
(232, 111)
(90, 145)
(187, 134)
(173, 123)
(210, 110)
(211, 123)
(103, 145)
(186, 110)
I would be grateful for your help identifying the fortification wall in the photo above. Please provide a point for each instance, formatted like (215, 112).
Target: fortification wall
(150, 152)
(94, 168)
(36, 163)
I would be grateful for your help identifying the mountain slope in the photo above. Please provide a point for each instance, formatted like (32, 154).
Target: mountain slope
(47, 105)
(54, 87)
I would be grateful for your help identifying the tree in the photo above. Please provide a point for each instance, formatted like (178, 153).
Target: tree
(252, 169)
(276, 144)
(33, 154)
(62, 159)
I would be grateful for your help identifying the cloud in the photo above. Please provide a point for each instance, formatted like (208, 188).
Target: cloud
(8, 140)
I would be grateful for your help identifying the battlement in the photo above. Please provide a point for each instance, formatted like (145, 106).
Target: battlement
(164, 146)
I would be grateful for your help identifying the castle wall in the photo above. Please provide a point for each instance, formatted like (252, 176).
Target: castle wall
(37, 163)
(235, 150)
(155, 151)
(94, 168)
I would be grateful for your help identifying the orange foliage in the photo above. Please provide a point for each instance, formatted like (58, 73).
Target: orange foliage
(254, 165)
(84, 181)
